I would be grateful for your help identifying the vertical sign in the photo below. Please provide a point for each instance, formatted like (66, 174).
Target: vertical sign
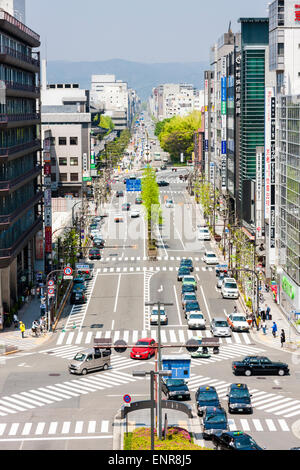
(297, 13)
(259, 191)
(270, 170)
(238, 85)
(269, 94)
(47, 197)
(206, 104)
(212, 173)
(273, 175)
(224, 122)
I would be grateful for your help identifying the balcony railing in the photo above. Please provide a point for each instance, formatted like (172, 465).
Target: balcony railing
(21, 86)
(6, 151)
(10, 184)
(11, 19)
(5, 118)
(5, 50)
(9, 218)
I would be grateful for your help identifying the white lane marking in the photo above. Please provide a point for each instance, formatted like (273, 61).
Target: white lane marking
(257, 425)
(177, 305)
(245, 425)
(78, 427)
(91, 427)
(207, 309)
(2, 428)
(14, 429)
(283, 425)
(40, 428)
(104, 426)
(66, 427)
(117, 293)
(271, 425)
(26, 429)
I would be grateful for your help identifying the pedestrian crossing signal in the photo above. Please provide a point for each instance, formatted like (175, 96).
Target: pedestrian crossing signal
(120, 346)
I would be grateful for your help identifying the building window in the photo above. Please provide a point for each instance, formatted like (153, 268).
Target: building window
(62, 141)
(53, 177)
(73, 140)
(74, 176)
(53, 162)
(63, 176)
(74, 161)
(52, 140)
(63, 161)
(280, 48)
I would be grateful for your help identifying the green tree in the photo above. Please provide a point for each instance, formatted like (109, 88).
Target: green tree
(70, 247)
(161, 125)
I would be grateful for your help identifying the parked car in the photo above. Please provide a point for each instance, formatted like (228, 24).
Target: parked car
(239, 399)
(78, 284)
(175, 389)
(234, 440)
(135, 214)
(143, 349)
(210, 258)
(203, 234)
(214, 419)
(99, 242)
(94, 253)
(78, 297)
(196, 321)
(259, 365)
(229, 289)
(219, 327)
(238, 322)
(163, 183)
(206, 396)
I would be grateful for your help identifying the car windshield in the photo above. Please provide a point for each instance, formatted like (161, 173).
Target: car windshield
(239, 393)
(239, 319)
(190, 297)
(242, 442)
(221, 324)
(217, 418)
(196, 316)
(175, 382)
(189, 279)
(142, 343)
(188, 288)
(80, 357)
(230, 285)
(155, 312)
(192, 305)
(210, 255)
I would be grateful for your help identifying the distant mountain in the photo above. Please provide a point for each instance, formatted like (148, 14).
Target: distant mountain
(142, 77)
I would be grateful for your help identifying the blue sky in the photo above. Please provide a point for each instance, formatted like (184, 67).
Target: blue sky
(137, 30)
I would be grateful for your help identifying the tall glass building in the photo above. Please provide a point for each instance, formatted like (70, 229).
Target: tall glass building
(289, 201)
(20, 169)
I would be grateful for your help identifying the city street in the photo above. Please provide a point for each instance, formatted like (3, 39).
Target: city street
(43, 407)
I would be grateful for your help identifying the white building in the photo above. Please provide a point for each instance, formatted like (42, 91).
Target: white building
(15, 8)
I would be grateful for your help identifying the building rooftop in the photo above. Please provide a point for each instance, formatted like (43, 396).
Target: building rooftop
(253, 20)
(16, 28)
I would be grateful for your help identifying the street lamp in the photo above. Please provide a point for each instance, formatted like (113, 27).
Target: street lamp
(159, 304)
(152, 373)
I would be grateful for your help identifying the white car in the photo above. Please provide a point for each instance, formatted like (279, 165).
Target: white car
(135, 214)
(203, 234)
(196, 321)
(210, 258)
(96, 234)
(154, 316)
(229, 289)
(238, 322)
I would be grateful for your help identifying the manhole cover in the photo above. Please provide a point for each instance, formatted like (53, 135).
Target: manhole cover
(50, 352)
(276, 388)
(54, 375)
(97, 325)
(114, 255)
(261, 378)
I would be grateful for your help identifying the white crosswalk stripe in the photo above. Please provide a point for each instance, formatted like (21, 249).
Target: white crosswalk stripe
(54, 428)
(181, 335)
(67, 390)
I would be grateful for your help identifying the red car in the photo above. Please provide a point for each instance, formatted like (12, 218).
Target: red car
(144, 349)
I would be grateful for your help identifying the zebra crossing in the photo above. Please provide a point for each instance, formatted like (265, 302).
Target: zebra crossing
(278, 405)
(141, 269)
(42, 396)
(168, 335)
(63, 429)
(159, 258)
(15, 339)
(78, 312)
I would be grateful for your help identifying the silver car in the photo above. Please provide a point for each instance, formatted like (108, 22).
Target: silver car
(220, 327)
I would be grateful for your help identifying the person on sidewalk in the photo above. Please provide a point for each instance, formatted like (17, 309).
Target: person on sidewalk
(263, 315)
(268, 311)
(16, 320)
(22, 328)
(282, 338)
(274, 329)
(264, 327)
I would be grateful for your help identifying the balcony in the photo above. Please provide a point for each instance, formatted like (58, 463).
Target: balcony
(15, 183)
(10, 24)
(13, 120)
(6, 254)
(16, 58)
(17, 151)
(19, 89)
(7, 220)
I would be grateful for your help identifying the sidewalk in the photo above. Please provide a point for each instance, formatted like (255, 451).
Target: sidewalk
(11, 338)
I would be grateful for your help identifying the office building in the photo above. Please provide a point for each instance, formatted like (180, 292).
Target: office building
(173, 99)
(15, 8)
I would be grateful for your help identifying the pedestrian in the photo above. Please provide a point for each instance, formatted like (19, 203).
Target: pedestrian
(22, 328)
(274, 329)
(33, 293)
(16, 320)
(264, 327)
(268, 311)
(282, 338)
(263, 315)
(257, 322)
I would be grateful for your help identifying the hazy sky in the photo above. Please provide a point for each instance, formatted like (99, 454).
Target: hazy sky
(137, 30)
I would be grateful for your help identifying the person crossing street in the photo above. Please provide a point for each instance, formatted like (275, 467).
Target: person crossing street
(22, 329)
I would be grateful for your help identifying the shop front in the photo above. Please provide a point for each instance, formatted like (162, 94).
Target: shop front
(289, 296)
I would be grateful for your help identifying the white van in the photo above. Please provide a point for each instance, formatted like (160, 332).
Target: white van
(90, 360)
(203, 234)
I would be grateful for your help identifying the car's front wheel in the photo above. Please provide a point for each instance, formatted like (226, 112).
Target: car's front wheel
(281, 372)
(248, 373)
